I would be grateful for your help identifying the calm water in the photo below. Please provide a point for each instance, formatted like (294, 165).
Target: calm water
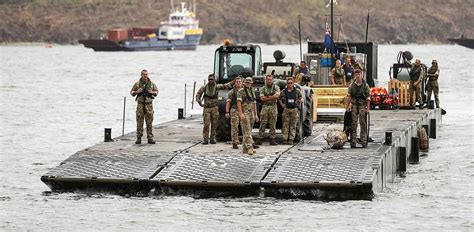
(56, 101)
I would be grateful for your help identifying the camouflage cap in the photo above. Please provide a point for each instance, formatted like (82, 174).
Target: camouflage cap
(434, 62)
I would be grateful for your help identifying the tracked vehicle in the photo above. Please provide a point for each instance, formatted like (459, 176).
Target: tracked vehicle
(231, 60)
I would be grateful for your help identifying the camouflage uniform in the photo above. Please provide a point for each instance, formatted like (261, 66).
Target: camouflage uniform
(338, 75)
(144, 108)
(210, 113)
(233, 96)
(247, 97)
(269, 112)
(359, 97)
(416, 74)
(433, 74)
(291, 113)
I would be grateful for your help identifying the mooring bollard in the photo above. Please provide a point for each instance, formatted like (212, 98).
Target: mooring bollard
(402, 156)
(108, 135)
(433, 128)
(388, 137)
(180, 113)
(431, 104)
(415, 150)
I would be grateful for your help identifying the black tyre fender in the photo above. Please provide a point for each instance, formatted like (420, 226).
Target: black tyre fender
(308, 117)
(223, 124)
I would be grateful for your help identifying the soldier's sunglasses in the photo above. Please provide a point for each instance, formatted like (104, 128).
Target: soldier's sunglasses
(289, 83)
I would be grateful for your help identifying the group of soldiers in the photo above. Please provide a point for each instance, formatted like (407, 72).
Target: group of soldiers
(241, 109)
(241, 106)
(417, 77)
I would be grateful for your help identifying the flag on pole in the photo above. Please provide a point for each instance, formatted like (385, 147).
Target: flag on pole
(329, 44)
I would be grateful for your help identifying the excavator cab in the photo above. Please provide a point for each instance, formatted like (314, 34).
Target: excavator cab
(232, 60)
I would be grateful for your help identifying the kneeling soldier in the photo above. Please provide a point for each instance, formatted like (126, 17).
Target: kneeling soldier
(290, 99)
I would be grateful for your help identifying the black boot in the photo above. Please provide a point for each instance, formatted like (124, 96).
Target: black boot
(205, 142)
(273, 142)
(139, 141)
(235, 146)
(213, 141)
(151, 141)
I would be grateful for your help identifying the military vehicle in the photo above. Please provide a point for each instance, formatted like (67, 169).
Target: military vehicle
(231, 60)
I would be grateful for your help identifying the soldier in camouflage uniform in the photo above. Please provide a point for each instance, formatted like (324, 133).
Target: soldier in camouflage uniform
(145, 90)
(232, 111)
(338, 76)
(416, 78)
(358, 95)
(248, 113)
(269, 95)
(433, 74)
(210, 114)
(290, 99)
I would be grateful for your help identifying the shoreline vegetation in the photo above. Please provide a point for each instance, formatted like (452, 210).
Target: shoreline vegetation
(242, 21)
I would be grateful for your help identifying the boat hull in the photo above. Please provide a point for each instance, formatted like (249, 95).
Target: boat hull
(190, 42)
(469, 43)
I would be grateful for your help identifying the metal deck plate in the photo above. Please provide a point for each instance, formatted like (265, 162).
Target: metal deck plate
(118, 164)
(312, 170)
(210, 169)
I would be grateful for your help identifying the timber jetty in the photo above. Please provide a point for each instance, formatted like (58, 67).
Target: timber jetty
(179, 164)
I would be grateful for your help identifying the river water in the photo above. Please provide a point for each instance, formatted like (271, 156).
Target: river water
(56, 101)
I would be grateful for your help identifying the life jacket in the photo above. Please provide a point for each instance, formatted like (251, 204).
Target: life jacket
(269, 91)
(233, 100)
(358, 93)
(433, 70)
(211, 92)
(249, 95)
(348, 70)
(415, 73)
(303, 70)
(146, 86)
(339, 73)
(291, 98)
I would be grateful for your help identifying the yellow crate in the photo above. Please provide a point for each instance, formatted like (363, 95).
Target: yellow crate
(402, 88)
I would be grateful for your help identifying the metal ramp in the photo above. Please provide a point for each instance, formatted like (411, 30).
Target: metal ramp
(234, 172)
(108, 170)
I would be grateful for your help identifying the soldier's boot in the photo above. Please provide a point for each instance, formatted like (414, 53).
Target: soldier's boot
(353, 144)
(258, 141)
(213, 141)
(139, 141)
(205, 142)
(273, 142)
(421, 106)
(364, 145)
(255, 146)
(151, 141)
(235, 146)
(250, 151)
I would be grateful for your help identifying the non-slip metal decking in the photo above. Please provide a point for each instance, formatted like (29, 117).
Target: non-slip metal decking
(180, 164)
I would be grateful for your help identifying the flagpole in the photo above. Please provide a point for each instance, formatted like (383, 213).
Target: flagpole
(299, 31)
